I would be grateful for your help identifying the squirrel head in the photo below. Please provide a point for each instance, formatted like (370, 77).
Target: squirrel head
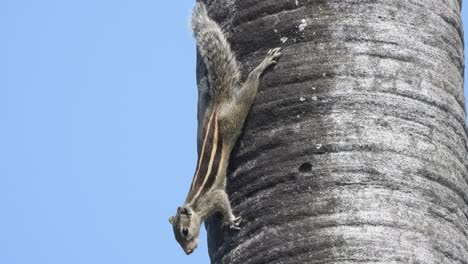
(186, 226)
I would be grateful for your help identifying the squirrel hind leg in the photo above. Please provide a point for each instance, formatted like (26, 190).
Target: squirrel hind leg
(270, 59)
(246, 94)
(235, 110)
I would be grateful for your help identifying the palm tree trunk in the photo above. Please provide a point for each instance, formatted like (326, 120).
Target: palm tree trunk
(355, 150)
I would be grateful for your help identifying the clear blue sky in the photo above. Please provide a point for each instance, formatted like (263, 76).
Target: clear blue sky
(98, 129)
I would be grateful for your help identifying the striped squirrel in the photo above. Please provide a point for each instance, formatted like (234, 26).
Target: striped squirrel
(222, 121)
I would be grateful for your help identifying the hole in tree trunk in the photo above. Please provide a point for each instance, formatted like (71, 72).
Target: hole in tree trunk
(305, 167)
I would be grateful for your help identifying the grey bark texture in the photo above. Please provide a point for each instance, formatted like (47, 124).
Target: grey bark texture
(355, 150)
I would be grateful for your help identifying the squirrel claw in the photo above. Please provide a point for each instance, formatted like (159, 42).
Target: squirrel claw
(234, 224)
(234, 227)
(273, 55)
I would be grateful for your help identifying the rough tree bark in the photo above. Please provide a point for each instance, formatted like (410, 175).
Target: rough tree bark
(355, 150)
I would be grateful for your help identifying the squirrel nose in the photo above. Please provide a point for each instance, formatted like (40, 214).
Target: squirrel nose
(190, 250)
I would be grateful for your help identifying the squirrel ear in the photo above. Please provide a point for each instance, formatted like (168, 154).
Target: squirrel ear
(184, 210)
(172, 220)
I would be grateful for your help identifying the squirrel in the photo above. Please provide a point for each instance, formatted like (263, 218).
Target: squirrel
(221, 124)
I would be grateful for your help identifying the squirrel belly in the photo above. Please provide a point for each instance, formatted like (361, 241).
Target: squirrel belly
(229, 104)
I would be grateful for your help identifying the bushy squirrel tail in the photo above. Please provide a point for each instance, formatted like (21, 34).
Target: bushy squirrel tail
(215, 51)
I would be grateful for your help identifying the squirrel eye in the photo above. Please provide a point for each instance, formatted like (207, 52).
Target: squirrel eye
(185, 231)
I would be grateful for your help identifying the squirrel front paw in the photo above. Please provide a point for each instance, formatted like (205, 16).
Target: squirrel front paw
(234, 223)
